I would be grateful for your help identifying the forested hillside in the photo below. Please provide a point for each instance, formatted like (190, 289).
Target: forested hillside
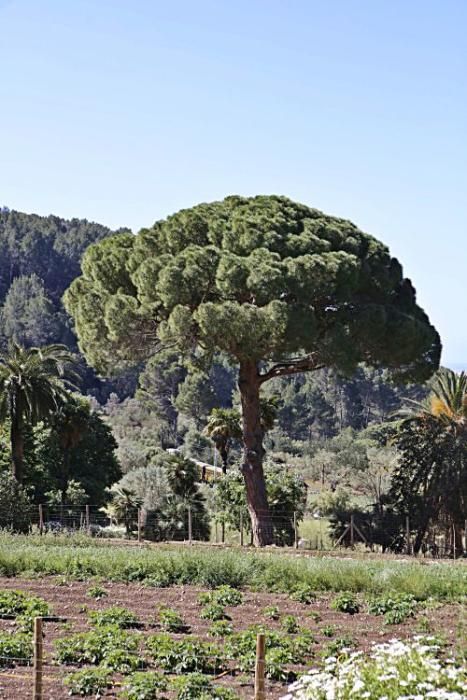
(39, 258)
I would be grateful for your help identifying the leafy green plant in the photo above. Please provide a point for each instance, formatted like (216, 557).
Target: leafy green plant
(315, 616)
(195, 686)
(223, 595)
(95, 646)
(271, 612)
(346, 602)
(221, 628)
(289, 624)
(287, 650)
(303, 594)
(97, 592)
(22, 607)
(214, 611)
(328, 630)
(337, 646)
(147, 685)
(184, 656)
(396, 608)
(89, 681)
(14, 648)
(114, 615)
(122, 661)
(170, 620)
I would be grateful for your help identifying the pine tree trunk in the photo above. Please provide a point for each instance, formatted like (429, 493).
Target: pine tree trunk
(17, 451)
(252, 466)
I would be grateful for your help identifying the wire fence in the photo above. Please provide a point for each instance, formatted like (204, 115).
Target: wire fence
(302, 530)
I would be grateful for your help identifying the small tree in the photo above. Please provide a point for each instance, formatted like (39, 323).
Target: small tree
(15, 506)
(276, 286)
(33, 385)
(223, 427)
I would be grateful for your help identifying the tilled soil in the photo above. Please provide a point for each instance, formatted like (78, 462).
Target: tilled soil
(70, 600)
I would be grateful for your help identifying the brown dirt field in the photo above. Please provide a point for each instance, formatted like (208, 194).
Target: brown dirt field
(70, 600)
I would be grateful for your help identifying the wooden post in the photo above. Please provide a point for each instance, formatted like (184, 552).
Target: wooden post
(260, 690)
(223, 531)
(38, 657)
(454, 541)
(407, 535)
(295, 530)
(88, 520)
(190, 530)
(215, 529)
(352, 534)
(41, 520)
(139, 524)
(241, 529)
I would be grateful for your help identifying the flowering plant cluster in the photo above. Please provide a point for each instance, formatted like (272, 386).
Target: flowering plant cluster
(394, 670)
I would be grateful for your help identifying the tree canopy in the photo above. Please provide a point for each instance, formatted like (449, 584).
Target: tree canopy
(278, 287)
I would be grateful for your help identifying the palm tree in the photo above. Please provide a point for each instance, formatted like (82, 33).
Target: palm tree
(223, 427)
(441, 424)
(33, 384)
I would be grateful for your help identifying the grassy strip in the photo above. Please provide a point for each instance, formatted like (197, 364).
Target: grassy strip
(82, 558)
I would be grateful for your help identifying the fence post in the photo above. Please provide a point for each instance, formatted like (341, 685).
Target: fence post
(454, 541)
(407, 535)
(223, 531)
(38, 657)
(295, 530)
(260, 691)
(352, 537)
(190, 530)
(88, 520)
(41, 519)
(241, 529)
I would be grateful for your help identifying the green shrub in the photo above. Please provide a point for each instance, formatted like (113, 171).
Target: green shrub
(89, 681)
(337, 646)
(287, 650)
(221, 628)
(346, 602)
(97, 592)
(289, 624)
(14, 648)
(214, 611)
(271, 612)
(328, 631)
(303, 594)
(170, 620)
(22, 607)
(122, 661)
(396, 608)
(195, 686)
(147, 685)
(184, 656)
(114, 615)
(223, 595)
(15, 505)
(95, 646)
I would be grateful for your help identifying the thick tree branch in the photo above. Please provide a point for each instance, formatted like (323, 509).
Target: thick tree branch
(281, 369)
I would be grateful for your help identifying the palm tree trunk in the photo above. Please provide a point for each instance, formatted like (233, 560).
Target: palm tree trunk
(252, 466)
(17, 450)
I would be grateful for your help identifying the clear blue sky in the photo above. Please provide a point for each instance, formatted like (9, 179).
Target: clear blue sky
(124, 111)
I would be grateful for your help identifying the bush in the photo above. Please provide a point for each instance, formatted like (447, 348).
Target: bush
(214, 611)
(97, 592)
(303, 594)
(89, 681)
(170, 620)
(114, 615)
(184, 656)
(346, 602)
(15, 506)
(14, 648)
(95, 646)
(221, 628)
(197, 687)
(396, 608)
(272, 612)
(144, 686)
(22, 607)
(289, 624)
